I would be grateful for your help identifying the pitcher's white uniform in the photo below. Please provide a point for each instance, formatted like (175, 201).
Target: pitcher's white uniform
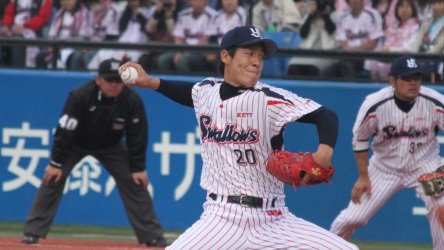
(404, 147)
(236, 142)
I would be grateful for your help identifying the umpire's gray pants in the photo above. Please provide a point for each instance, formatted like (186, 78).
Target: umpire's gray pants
(136, 199)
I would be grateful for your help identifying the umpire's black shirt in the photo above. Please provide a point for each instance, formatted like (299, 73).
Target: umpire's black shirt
(94, 122)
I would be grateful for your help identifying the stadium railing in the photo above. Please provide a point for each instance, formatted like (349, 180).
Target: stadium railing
(56, 45)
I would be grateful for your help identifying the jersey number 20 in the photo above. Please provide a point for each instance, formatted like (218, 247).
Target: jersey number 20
(245, 157)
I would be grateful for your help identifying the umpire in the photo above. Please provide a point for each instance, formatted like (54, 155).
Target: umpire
(95, 120)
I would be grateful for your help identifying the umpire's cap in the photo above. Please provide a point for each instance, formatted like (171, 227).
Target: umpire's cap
(109, 68)
(245, 36)
(406, 66)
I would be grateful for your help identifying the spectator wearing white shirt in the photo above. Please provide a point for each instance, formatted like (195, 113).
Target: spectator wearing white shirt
(342, 5)
(70, 22)
(230, 16)
(104, 26)
(358, 29)
(191, 28)
(131, 29)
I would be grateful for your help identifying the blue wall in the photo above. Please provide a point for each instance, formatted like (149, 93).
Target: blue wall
(32, 102)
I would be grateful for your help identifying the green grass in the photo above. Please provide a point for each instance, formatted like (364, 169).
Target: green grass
(126, 234)
(81, 232)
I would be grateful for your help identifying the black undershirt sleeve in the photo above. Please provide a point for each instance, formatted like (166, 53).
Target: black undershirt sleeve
(327, 124)
(178, 91)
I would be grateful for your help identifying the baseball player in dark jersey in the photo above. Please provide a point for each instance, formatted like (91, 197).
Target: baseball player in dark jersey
(242, 121)
(94, 121)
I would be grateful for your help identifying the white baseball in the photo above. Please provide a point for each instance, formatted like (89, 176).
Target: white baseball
(129, 75)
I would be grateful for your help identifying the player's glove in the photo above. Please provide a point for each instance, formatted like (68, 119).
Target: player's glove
(291, 168)
(433, 183)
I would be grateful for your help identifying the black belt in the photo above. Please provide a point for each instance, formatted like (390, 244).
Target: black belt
(244, 200)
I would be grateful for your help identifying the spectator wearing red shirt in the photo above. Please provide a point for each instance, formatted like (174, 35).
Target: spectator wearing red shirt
(24, 19)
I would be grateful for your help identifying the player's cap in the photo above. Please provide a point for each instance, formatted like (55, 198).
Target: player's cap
(245, 36)
(406, 66)
(109, 68)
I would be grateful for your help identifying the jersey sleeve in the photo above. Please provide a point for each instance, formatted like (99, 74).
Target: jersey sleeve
(37, 22)
(340, 31)
(178, 30)
(8, 14)
(285, 107)
(213, 26)
(67, 130)
(439, 107)
(137, 134)
(377, 27)
(364, 128)
(197, 93)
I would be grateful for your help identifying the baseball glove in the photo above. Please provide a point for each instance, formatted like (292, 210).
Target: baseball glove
(433, 183)
(291, 168)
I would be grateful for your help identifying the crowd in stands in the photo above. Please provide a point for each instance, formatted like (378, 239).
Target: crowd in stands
(410, 26)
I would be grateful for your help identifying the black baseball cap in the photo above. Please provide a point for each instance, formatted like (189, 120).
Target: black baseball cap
(406, 66)
(243, 36)
(109, 68)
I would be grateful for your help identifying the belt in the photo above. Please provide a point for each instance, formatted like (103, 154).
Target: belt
(245, 200)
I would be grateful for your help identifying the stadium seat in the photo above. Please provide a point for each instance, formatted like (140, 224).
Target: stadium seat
(277, 66)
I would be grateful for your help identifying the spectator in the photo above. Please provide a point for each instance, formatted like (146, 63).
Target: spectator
(3, 4)
(342, 5)
(191, 28)
(400, 37)
(317, 32)
(303, 7)
(131, 29)
(160, 26)
(358, 29)
(160, 29)
(104, 27)
(430, 39)
(230, 16)
(424, 9)
(276, 15)
(23, 19)
(70, 22)
(279, 20)
(386, 9)
(107, 120)
(402, 34)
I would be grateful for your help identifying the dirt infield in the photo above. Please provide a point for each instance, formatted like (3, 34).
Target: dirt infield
(13, 243)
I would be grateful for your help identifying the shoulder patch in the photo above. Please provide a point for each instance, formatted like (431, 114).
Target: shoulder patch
(269, 92)
(435, 101)
(373, 108)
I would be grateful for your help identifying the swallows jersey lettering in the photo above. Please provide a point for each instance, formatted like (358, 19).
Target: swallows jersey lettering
(392, 132)
(228, 134)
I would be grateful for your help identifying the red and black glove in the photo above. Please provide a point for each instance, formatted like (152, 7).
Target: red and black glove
(293, 168)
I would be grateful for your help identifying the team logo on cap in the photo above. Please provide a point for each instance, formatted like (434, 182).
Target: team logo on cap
(115, 65)
(411, 63)
(256, 33)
